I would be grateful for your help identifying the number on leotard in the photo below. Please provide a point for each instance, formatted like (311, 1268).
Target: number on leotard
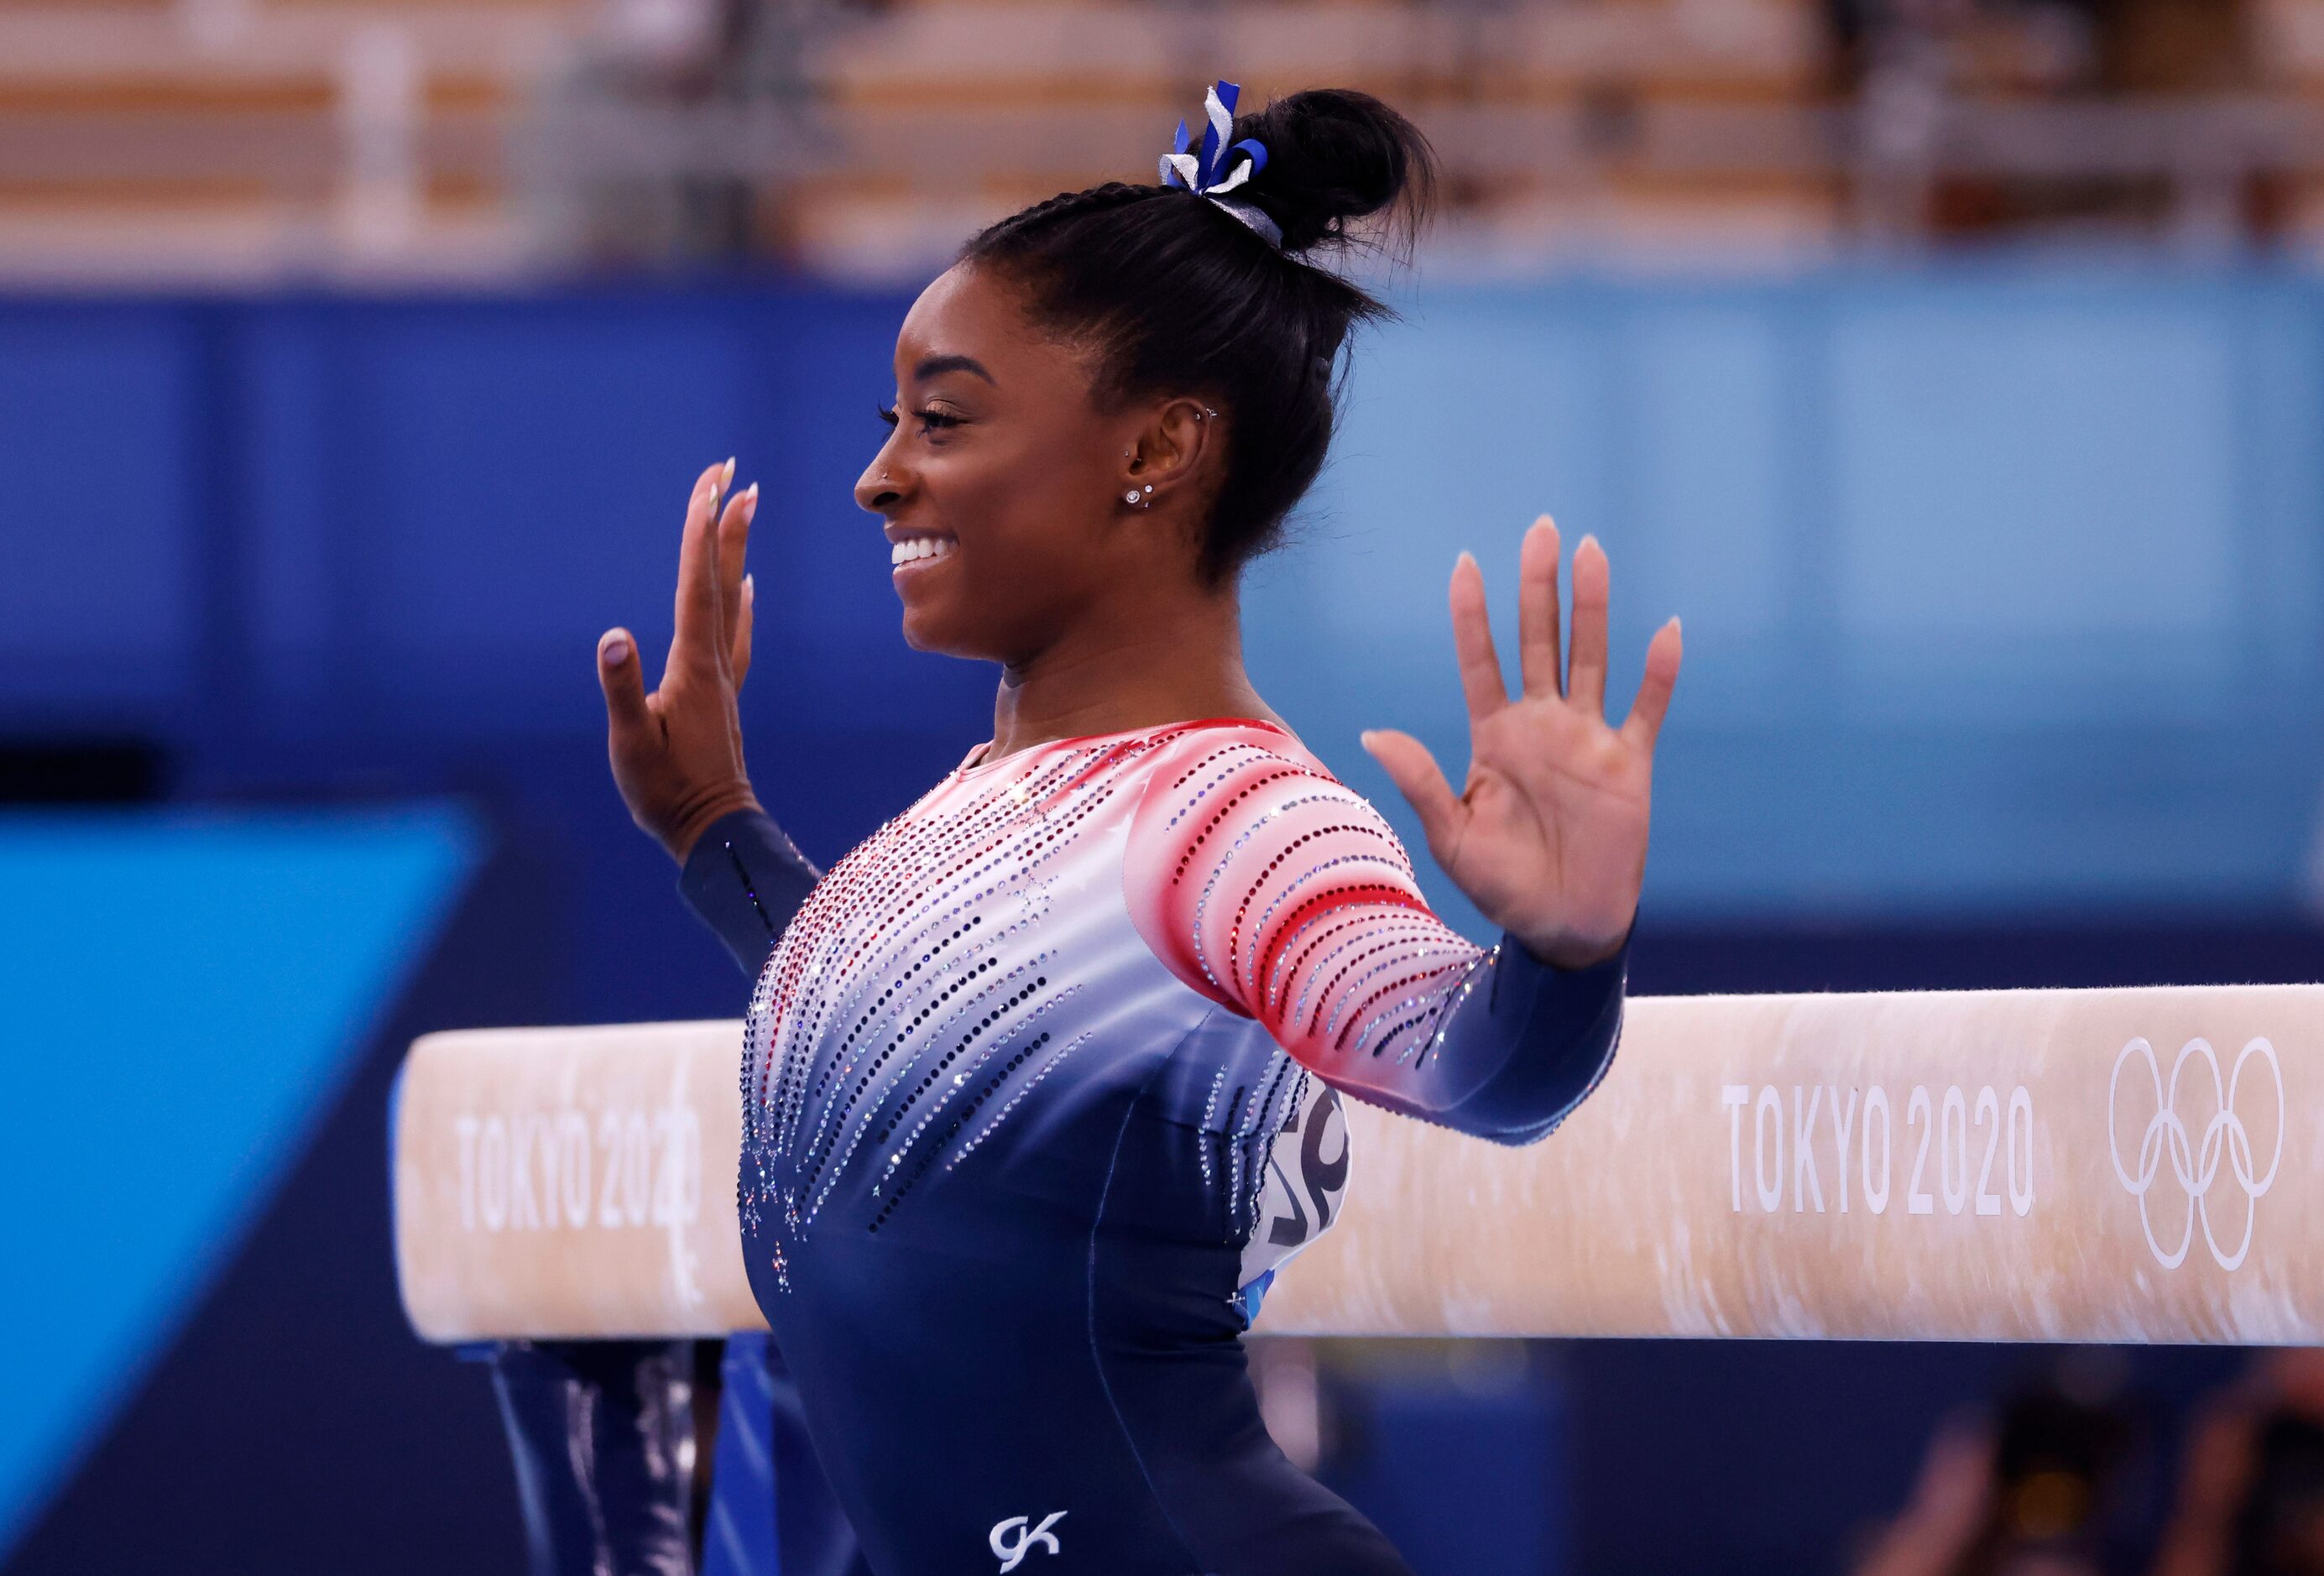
(1324, 1178)
(1290, 1232)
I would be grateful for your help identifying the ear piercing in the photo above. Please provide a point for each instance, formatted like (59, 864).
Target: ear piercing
(1132, 496)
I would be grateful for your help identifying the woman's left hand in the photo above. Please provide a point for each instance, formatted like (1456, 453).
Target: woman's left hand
(1549, 837)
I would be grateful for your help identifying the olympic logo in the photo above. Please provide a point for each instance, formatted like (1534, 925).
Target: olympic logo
(2195, 1162)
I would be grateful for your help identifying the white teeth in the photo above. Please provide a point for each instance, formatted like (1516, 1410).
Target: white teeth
(915, 548)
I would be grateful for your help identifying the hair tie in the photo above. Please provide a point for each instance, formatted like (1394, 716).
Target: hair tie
(1204, 176)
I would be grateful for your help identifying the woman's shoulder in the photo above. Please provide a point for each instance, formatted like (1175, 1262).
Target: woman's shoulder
(1185, 755)
(1234, 816)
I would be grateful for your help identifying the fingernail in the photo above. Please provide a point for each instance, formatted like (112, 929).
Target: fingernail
(615, 650)
(751, 588)
(1366, 737)
(727, 474)
(751, 496)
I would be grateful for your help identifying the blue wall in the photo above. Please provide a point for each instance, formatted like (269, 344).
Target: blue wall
(2002, 588)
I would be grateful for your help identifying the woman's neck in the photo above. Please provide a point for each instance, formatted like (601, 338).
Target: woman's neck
(1114, 674)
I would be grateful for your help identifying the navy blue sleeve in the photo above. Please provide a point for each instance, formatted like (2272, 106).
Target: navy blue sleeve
(744, 880)
(1520, 1053)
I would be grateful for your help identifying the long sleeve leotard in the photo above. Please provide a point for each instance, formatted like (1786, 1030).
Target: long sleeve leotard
(1041, 1089)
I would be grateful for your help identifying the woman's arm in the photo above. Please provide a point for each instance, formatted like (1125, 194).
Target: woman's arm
(1270, 886)
(744, 880)
(1277, 891)
(677, 753)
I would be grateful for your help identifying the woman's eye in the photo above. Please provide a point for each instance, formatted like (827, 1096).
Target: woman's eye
(930, 420)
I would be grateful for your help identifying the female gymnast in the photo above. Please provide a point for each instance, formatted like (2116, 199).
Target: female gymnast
(1041, 1081)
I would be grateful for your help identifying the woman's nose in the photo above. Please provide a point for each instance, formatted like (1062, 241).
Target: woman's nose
(880, 487)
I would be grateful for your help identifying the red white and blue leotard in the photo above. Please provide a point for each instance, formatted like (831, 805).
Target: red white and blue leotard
(1040, 1091)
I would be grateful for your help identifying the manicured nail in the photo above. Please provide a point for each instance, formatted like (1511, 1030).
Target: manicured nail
(615, 650)
(749, 496)
(751, 588)
(727, 474)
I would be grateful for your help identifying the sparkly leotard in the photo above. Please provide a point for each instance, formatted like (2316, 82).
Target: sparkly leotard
(1039, 1091)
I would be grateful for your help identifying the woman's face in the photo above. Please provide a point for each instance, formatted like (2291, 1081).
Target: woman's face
(1002, 485)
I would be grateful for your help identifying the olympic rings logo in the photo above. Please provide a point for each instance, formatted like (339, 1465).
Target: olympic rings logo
(2195, 1162)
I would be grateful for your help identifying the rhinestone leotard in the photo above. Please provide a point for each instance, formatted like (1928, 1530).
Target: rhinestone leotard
(1041, 1089)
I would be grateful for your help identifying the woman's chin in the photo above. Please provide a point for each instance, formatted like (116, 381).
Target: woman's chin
(927, 629)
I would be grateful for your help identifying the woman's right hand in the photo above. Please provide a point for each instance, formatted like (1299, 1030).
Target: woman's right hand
(677, 753)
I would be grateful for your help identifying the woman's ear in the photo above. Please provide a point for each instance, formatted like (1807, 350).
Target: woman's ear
(1168, 454)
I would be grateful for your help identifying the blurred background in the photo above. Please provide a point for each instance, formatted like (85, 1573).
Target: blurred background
(1954, 367)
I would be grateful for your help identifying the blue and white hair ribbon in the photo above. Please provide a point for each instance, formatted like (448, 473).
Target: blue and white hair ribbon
(1206, 174)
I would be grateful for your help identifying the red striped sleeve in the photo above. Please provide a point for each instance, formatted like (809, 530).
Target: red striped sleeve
(1274, 889)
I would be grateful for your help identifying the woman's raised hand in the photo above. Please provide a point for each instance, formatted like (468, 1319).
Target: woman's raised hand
(677, 752)
(1548, 838)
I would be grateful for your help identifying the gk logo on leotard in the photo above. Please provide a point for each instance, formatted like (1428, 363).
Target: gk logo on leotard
(1011, 1540)
(2195, 1162)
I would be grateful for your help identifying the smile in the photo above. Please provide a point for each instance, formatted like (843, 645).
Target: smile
(915, 549)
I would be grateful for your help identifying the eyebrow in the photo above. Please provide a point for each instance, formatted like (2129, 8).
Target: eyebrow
(936, 365)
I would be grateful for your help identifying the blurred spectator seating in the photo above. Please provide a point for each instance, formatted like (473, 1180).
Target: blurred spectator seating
(238, 137)
(272, 136)
(1566, 124)
(865, 137)
(2287, 44)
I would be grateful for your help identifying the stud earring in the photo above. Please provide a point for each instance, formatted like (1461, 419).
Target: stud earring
(1130, 496)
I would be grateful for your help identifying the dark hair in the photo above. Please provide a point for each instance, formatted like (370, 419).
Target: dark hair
(1178, 297)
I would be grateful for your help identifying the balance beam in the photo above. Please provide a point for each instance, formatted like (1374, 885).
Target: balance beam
(2049, 1165)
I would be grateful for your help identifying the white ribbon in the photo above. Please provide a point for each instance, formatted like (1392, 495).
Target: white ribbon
(1188, 168)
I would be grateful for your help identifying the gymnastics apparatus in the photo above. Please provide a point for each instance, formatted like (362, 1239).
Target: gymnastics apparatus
(2059, 1166)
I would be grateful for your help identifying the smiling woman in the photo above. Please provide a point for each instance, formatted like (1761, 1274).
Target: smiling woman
(1040, 1084)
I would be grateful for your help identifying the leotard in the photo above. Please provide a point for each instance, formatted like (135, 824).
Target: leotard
(1041, 1088)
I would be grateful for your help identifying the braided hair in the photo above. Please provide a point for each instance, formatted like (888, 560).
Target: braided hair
(1175, 296)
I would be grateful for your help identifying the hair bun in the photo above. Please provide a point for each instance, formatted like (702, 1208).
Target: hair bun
(1335, 157)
